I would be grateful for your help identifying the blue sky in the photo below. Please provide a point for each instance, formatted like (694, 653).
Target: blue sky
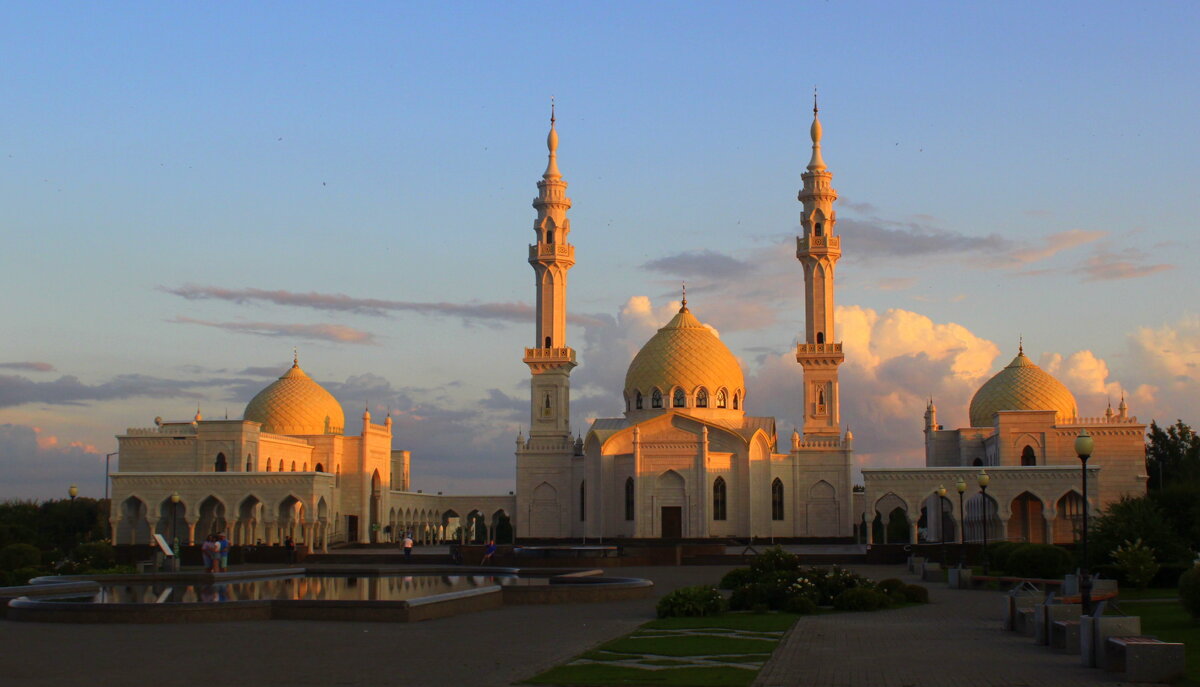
(1007, 169)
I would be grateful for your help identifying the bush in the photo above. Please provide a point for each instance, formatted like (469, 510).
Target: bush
(736, 578)
(22, 576)
(1136, 563)
(1039, 560)
(1189, 592)
(95, 555)
(998, 554)
(690, 602)
(800, 604)
(1169, 573)
(861, 599)
(890, 585)
(15, 556)
(1133, 518)
(747, 597)
(915, 594)
(831, 583)
(773, 560)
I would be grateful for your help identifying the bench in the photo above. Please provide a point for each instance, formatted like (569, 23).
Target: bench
(1023, 622)
(1045, 615)
(1094, 632)
(1064, 636)
(1144, 659)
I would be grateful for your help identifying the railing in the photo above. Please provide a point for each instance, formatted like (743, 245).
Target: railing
(551, 250)
(803, 243)
(559, 353)
(157, 431)
(1114, 420)
(818, 348)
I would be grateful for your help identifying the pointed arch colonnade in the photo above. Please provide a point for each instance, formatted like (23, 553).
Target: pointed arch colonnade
(1040, 504)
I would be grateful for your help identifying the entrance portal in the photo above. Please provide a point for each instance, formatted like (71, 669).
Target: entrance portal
(672, 522)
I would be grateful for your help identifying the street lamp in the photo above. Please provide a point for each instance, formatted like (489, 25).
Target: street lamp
(107, 458)
(73, 491)
(983, 482)
(941, 492)
(962, 530)
(1083, 448)
(174, 534)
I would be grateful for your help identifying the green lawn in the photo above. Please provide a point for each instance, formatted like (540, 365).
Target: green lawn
(1131, 594)
(1170, 623)
(716, 651)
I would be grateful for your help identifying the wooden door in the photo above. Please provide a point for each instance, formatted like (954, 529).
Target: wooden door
(672, 522)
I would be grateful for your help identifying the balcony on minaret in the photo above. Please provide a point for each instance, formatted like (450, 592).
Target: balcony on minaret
(819, 353)
(547, 358)
(563, 252)
(810, 245)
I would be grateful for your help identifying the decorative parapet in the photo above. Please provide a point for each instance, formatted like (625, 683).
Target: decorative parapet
(822, 443)
(806, 243)
(542, 251)
(818, 348)
(1088, 421)
(550, 357)
(949, 475)
(174, 430)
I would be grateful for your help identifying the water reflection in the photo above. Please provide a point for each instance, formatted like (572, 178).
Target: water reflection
(323, 588)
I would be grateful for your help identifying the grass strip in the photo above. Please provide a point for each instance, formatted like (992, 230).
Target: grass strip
(1170, 623)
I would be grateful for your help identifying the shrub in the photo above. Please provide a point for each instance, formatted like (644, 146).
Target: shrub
(915, 594)
(748, 596)
(861, 599)
(22, 576)
(773, 560)
(736, 578)
(691, 601)
(1136, 563)
(1133, 518)
(800, 604)
(831, 583)
(1039, 560)
(1169, 573)
(998, 554)
(15, 556)
(95, 555)
(1189, 592)
(890, 585)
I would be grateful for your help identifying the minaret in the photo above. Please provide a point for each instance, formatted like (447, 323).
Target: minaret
(818, 251)
(550, 360)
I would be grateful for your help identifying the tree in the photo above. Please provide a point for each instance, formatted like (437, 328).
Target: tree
(1172, 455)
(1131, 519)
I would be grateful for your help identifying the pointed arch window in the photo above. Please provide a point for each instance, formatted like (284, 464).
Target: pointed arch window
(736, 402)
(702, 398)
(637, 401)
(719, 502)
(679, 399)
(722, 399)
(1028, 457)
(547, 342)
(293, 466)
(319, 468)
(777, 499)
(249, 462)
(582, 500)
(629, 498)
(656, 399)
(820, 337)
(268, 465)
(820, 229)
(221, 465)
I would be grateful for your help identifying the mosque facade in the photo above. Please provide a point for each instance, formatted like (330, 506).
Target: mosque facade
(686, 459)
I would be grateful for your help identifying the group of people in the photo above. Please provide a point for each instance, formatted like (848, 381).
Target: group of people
(215, 551)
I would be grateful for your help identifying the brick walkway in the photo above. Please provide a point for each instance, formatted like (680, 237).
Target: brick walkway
(956, 641)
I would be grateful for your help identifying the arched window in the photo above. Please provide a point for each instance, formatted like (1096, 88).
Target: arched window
(1028, 457)
(820, 337)
(701, 399)
(281, 466)
(305, 468)
(735, 401)
(637, 401)
(547, 342)
(819, 230)
(583, 500)
(679, 399)
(319, 468)
(221, 465)
(722, 399)
(550, 236)
(777, 499)
(249, 463)
(268, 465)
(719, 499)
(629, 498)
(977, 461)
(293, 466)
(656, 399)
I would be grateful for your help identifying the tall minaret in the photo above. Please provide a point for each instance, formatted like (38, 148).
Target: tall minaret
(550, 360)
(818, 251)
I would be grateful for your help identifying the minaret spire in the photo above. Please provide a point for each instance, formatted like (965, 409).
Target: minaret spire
(552, 145)
(816, 164)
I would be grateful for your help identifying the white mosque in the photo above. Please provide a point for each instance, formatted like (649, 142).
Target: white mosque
(686, 460)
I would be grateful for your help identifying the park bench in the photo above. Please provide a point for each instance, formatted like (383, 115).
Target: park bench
(1046, 614)
(1024, 621)
(1094, 631)
(1064, 636)
(1144, 659)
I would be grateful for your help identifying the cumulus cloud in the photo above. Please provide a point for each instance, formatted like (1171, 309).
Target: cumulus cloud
(29, 366)
(377, 307)
(335, 333)
(38, 464)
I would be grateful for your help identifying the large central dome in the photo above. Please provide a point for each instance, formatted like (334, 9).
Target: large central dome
(295, 404)
(1021, 386)
(688, 355)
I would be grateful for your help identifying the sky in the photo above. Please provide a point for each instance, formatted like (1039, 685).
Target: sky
(188, 191)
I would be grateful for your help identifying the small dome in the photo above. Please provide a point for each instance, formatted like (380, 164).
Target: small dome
(296, 405)
(1021, 386)
(685, 354)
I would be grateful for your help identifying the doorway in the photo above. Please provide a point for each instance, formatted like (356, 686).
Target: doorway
(352, 528)
(672, 522)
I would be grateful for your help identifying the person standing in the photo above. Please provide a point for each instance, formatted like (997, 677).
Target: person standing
(408, 547)
(223, 552)
(491, 551)
(210, 552)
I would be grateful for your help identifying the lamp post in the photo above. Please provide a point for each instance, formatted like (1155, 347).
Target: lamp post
(983, 482)
(73, 491)
(941, 492)
(107, 458)
(962, 530)
(174, 534)
(1083, 448)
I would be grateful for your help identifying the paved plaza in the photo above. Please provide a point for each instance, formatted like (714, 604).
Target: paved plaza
(956, 640)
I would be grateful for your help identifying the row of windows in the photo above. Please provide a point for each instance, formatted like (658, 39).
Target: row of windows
(222, 465)
(679, 399)
(720, 499)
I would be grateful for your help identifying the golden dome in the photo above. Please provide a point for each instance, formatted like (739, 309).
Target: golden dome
(1021, 386)
(295, 404)
(687, 354)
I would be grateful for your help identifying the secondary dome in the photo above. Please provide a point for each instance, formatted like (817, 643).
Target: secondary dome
(295, 404)
(684, 354)
(1021, 385)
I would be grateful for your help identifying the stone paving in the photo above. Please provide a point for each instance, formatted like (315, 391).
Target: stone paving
(955, 641)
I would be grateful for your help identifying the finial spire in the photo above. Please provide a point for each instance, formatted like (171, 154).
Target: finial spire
(816, 164)
(1021, 344)
(551, 111)
(552, 145)
(814, 101)
(683, 305)
(295, 357)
